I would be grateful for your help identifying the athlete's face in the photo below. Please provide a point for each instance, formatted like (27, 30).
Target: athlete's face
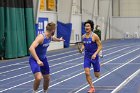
(87, 28)
(53, 32)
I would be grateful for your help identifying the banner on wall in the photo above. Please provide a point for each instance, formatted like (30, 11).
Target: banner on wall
(42, 5)
(41, 26)
(64, 30)
(50, 4)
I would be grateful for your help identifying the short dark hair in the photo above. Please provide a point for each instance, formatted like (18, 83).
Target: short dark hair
(96, 27)
(50, 26)
(91, 24)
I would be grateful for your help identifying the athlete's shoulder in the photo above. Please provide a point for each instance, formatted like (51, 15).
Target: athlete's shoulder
(39, 38)
(94, 35)
(84, 35)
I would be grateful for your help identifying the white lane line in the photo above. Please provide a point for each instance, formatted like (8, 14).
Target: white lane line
(64, 57)
(122, 63)
(120, 46)
(58, 82)
(126, 81)
(66, 69)
(112, 47)
(50, 66)
(117, 51)
(15, 76)
(121, 56)
(83, 72)
(16, 86)
(109, 73)
(58, 63)
(28, 66)
(32, 80)
(49, 61)
(75, 50)
(60, 78)
(47, 57)
(13, 70)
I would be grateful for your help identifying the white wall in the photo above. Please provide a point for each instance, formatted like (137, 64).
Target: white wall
(129, 20)
(100, 21)
(100, 11)
(87, 10)
(76, 7)
(76, 21)
(52, 17)
(96, 6)
(130, 8)
(121, 25)
(76, 28)
(55, 45)
(105, 11)
(126, 8)
(116, 8)
(64, 10)
(103, 7)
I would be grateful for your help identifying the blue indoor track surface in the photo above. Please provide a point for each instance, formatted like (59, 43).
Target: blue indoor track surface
(121, 62)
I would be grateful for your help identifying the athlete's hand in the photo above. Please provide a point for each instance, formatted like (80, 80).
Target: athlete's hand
(80, 50)
(40, 63)
(61, 39)
(93, 56)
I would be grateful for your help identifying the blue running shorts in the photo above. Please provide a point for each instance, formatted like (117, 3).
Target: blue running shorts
(95, 63)
(36, 68)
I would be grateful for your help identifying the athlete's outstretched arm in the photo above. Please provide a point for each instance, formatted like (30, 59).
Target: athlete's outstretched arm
(39, 39)
(57, 39)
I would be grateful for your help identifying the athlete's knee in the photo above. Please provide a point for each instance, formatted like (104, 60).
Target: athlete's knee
(47, 78)
(87, 73)
(38, 78)
(97, 74)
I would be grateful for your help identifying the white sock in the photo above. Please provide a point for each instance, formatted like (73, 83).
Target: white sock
(35, 91)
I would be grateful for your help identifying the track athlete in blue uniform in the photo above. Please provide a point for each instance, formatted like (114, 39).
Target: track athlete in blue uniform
(92, 46)
(38, 60)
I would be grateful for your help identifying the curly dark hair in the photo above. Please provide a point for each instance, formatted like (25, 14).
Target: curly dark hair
(91, 24)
